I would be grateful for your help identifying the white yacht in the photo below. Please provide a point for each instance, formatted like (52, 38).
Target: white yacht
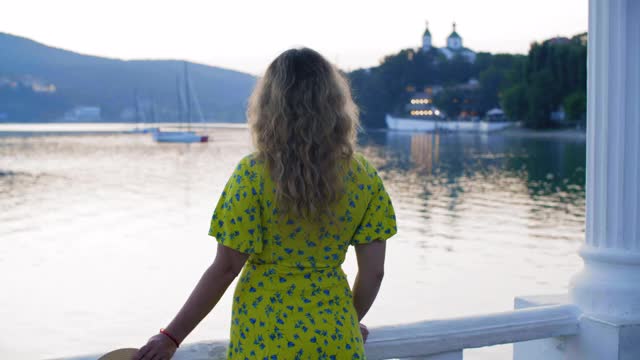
(422, 115)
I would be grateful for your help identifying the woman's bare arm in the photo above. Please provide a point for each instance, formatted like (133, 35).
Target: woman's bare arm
(370, 273)
(214, 282)
(212, 285)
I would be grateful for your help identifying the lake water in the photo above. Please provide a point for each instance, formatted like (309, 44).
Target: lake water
(103, 236)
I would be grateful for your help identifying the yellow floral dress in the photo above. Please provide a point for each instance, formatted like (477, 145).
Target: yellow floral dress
(292, 300)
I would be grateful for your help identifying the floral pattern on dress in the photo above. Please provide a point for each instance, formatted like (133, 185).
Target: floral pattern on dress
(293, 300)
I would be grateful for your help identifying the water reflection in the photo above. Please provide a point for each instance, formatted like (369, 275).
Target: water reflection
(463, 184)
(547, 166)
(425, 151)
(86, 219)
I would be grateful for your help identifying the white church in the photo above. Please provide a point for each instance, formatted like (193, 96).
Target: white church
(454, 45)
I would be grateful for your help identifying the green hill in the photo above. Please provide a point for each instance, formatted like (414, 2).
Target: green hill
(39, 83)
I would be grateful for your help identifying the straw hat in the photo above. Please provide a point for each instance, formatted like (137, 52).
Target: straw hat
(120, 354)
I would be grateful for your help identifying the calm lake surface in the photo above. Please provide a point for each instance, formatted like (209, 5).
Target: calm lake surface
(103, 236)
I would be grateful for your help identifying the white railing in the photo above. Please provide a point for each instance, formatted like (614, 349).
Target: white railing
(445, 339)
(439, 339)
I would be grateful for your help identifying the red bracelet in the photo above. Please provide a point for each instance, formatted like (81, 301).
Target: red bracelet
(165, 333)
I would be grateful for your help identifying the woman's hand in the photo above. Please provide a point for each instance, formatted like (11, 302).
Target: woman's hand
(364, 331)
(159, 347)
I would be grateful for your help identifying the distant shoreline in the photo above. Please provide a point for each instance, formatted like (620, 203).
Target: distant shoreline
(561, 134)
(100, 128)
(104, 128)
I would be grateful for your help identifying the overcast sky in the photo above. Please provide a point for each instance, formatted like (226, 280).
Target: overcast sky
(246, 35)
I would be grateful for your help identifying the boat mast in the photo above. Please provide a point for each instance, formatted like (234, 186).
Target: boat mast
(153, 111)
(188, 95)
(136, 107)
(196, 104)
(179, 95)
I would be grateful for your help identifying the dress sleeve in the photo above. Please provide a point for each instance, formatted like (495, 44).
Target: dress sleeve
(236, 220)
(379, 220)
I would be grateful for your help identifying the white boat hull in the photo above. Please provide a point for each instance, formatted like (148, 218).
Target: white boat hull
(408, 124)
(178, 137)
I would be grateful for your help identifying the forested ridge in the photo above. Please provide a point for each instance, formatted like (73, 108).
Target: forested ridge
(528, 87)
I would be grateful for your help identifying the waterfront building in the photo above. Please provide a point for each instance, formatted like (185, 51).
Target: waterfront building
(83, 114)
(454, 45)
(495, 114)
(560, 40)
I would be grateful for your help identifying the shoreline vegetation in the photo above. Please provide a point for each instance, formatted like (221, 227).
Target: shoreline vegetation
(545, 88)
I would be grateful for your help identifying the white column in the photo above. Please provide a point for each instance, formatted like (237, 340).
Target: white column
(609, 285)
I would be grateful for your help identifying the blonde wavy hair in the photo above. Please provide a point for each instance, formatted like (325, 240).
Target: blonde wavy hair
(304, 123)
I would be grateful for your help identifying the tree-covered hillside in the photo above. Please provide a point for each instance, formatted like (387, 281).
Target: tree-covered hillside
(554, 75)
(528, 87)
(40, 83)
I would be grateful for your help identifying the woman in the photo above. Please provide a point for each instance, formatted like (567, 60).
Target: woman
(286, 219)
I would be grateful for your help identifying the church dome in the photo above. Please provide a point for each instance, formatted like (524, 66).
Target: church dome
(426, 39)
(454, 33)
(426, 30)
(454, 41)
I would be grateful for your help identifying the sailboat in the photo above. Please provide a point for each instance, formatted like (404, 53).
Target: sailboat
(141, 117)
(187, 104)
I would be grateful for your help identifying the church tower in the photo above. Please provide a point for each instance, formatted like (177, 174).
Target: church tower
(454, 41)
(426, 39)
